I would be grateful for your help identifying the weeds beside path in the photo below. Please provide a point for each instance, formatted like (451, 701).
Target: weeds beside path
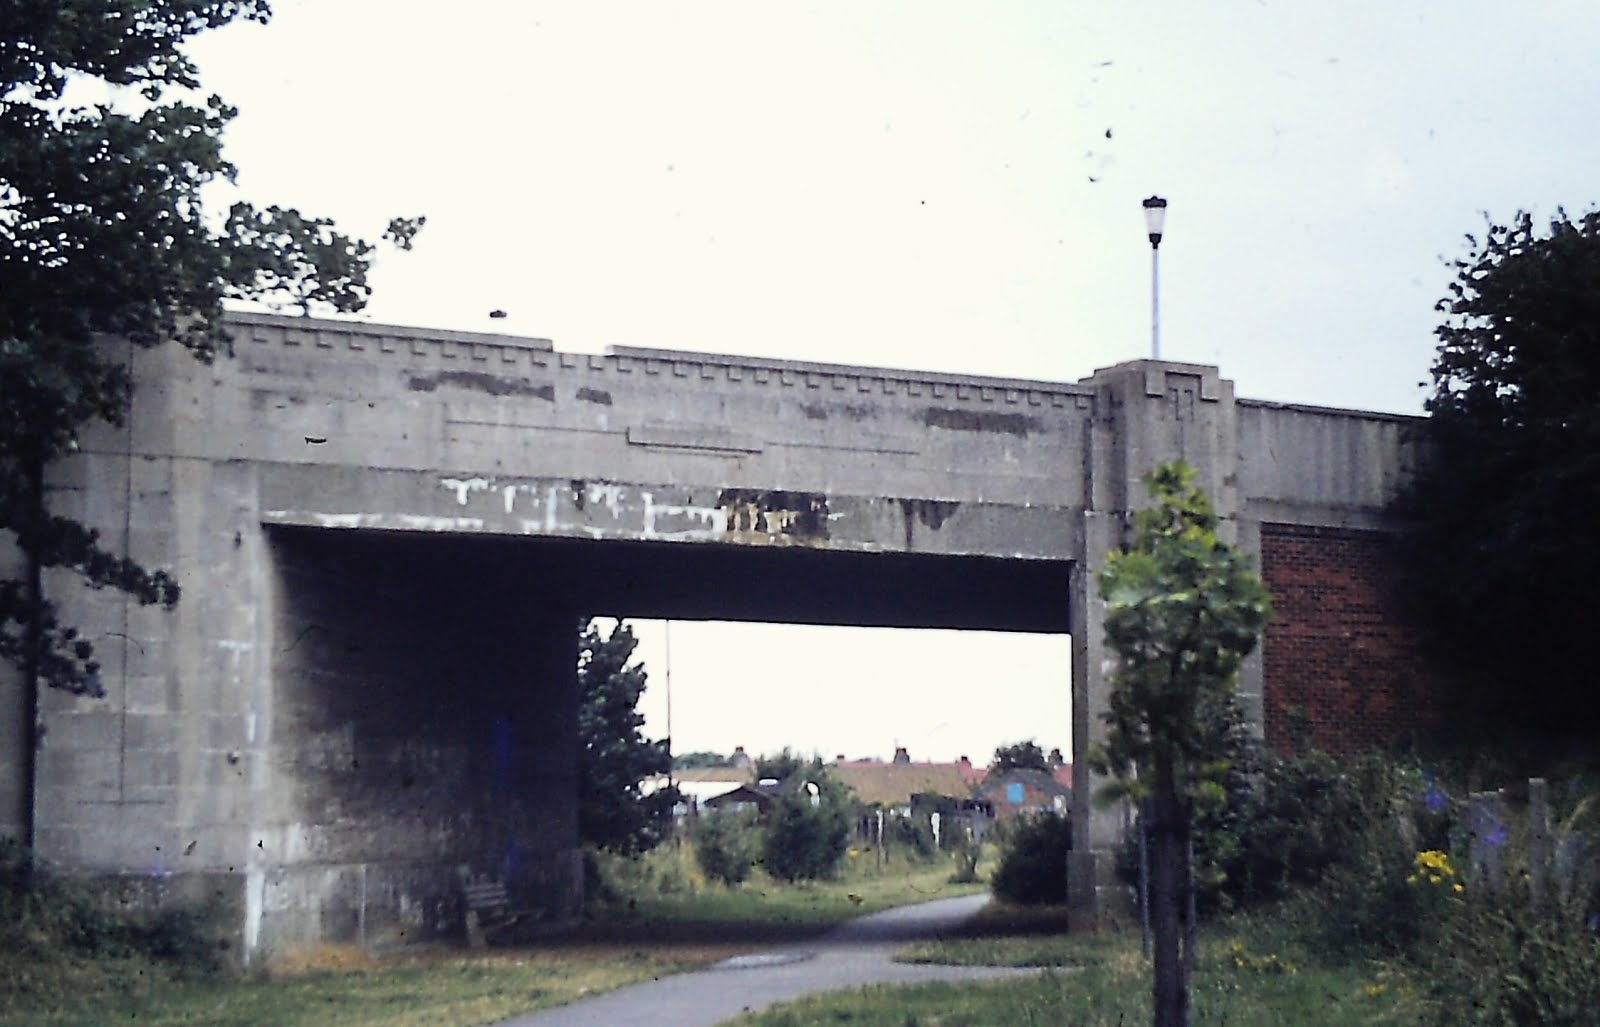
(649, 935)
(1251, 975)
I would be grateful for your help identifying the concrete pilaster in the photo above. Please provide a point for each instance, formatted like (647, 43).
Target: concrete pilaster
(1092, 887)
(1145, 413)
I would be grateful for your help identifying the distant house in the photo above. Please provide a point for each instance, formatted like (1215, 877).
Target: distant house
(1015, 792)
(892, 786)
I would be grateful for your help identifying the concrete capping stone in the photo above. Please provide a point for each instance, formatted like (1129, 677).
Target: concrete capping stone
(1313, 517)
(841, 377)
(1305, 408)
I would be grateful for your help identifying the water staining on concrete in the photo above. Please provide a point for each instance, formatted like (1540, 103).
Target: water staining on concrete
(479, 381)
(598, 396)
(795, 516)
(955, 419)
(930, 513)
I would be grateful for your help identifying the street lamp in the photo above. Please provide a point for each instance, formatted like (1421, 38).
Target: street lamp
(1155, 216)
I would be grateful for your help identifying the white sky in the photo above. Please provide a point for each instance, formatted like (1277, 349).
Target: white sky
(925, 185)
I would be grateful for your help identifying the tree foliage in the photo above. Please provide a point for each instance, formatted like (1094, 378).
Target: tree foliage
(809, 827)
(1504, 561)
(1183, 610)
(104, 231)
(781, 766)
(701, 759)
(1019, 756)
(614, 756)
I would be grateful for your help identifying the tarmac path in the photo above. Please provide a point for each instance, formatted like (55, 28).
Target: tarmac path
(854, 954)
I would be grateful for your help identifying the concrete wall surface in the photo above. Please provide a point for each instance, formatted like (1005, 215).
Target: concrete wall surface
(386, 537)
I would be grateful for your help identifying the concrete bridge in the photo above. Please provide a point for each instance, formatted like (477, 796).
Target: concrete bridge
(386, 536)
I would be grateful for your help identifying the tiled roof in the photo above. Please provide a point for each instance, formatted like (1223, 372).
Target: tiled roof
(893, 784)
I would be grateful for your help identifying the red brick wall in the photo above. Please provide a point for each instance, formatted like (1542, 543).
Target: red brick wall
(1337, 651)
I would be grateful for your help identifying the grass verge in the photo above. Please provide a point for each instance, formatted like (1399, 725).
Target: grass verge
(427, 989)
(650, 931)
(1251, 974)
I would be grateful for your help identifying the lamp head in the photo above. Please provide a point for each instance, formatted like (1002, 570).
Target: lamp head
(1155, 217)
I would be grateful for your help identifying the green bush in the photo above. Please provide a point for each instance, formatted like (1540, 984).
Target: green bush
(1288, 822)
(805, 839)
(1033, 861)
(1501, 964)
(967, 850)
(726, 845)
(913, 835)
(48, 920)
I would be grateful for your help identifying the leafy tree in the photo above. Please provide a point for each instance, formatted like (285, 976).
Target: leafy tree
(808, 829)
(701, 759)
(103, 230)
(1183, 609)
(1503, 555)
(1019, 756)
(781, 766)
(614, 756)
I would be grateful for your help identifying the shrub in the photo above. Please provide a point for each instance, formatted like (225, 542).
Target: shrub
(806, 840)
(913, 835)
(1295, 818)
(726, 845)
(45, 919)
(1033, 861)
(1500, 963)
(967, 849)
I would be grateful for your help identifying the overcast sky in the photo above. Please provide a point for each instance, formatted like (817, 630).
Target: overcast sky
(942, 186)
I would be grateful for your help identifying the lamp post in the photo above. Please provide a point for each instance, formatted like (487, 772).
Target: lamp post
(1155, 216)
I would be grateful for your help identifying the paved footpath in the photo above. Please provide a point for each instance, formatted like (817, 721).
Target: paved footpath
(854, 954)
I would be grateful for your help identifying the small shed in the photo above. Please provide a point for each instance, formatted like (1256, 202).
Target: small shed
(741, 797)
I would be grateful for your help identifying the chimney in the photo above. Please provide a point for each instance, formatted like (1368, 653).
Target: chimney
(901, 755)
(1056, 759)
(966, 764)
(740, 758)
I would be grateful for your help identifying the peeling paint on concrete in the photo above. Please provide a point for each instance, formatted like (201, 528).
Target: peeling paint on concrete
(412, 522)
(463, 487)
(479, 381)
(416, 522)
(702, 522)
(606, 495)
(794, 515)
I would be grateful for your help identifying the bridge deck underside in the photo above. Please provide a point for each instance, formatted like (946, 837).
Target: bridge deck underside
(425, 705)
